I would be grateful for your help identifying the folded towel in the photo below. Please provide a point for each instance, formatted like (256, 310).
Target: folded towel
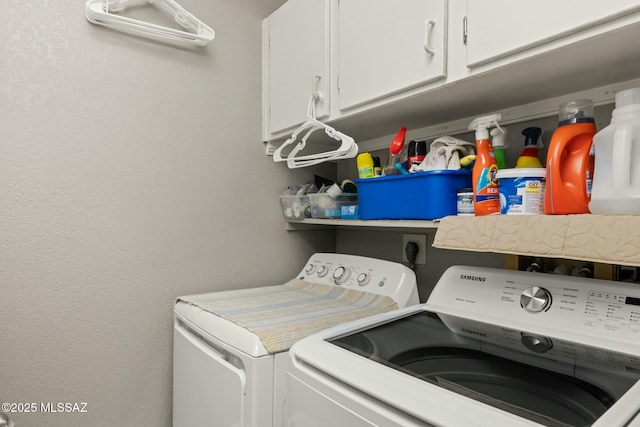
(445, 153)
(283, 314)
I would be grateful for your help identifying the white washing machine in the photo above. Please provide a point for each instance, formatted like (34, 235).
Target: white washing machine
(230, 348)
(489, 348)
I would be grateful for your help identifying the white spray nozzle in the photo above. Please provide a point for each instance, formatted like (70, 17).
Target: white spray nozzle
(481, 124)
(497, 137)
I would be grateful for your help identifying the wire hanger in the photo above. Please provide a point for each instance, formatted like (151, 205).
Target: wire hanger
(347, 149)
(104, 12)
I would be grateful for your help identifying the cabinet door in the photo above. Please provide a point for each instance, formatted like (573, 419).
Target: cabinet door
(297, 49)
(387, 47)
(499, 28)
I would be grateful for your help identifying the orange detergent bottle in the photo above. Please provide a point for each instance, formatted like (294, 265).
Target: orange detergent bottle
(570, 160)
(486, 193)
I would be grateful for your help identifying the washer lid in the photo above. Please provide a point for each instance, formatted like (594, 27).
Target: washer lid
(554, 383)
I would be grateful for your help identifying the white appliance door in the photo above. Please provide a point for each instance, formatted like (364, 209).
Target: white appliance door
(207, 389)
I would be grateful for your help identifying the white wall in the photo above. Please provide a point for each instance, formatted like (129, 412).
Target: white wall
(388, 245)
(130, 173)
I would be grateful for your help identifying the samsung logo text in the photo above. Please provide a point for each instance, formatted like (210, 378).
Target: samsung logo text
(473, 278)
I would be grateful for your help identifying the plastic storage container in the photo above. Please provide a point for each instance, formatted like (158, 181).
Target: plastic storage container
(295, 207)
(422, 195)
(616, 179)
(522, 191)
(324, 205)
(465, 202)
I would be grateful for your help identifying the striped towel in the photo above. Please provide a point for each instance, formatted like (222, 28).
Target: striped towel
(283, 314)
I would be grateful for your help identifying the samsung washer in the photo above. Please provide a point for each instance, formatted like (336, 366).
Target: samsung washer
(230, 348)
(490, 348)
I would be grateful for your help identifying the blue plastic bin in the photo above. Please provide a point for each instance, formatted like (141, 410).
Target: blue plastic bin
(422, 195)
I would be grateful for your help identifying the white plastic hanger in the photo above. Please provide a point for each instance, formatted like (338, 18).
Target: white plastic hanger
(104, 12)
(347, 149)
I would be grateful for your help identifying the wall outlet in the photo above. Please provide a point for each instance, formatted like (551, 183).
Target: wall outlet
(421, 240)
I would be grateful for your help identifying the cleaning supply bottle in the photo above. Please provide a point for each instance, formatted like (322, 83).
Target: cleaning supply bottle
(486, 193)
(377, 168)
(394, 150)
(497, 142)
(365, 165)
(616, 179)
(570, 160)
(416, 153)
(529, 157)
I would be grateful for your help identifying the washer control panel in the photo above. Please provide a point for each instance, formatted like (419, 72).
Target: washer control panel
(598, 308)
(363, 274)
(535, 299)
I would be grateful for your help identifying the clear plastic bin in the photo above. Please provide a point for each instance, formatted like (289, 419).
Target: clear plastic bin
(295, 207)
(325, 206)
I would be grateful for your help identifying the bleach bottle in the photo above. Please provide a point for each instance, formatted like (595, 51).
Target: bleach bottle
(486, 193)
(570, 160)
(616, 179)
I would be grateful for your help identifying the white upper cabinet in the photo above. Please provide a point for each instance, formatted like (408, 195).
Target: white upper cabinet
(421, 63)
(296, 49)
(387, 47)
(498, 29)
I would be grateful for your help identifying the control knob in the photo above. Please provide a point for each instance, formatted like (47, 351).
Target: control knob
(310, 268)
(363, 279)
(535, 299)
(322, 271)
(341, 274)
(537, 344)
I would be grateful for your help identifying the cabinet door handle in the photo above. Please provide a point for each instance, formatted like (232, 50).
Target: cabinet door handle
(428, 29)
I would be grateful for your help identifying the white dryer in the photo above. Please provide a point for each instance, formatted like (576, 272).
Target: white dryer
(230, 348)
(489, 348)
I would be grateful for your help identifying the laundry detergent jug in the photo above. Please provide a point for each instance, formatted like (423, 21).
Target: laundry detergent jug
(570, 160)
(616, 182)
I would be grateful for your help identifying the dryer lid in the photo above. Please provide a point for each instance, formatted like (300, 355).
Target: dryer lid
(272, 318)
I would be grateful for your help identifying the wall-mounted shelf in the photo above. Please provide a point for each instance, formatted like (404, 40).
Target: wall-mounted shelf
(609, 239)
(373, 225)
(602, 239)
